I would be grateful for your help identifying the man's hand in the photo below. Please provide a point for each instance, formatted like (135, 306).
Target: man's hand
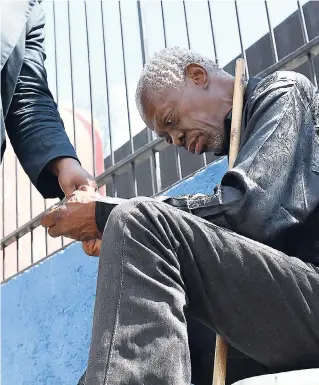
(74, 219)
(72, 176)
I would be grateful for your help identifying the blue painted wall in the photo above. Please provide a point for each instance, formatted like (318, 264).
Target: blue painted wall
(47, 311)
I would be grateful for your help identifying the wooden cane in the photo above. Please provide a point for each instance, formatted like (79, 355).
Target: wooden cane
(219, 375)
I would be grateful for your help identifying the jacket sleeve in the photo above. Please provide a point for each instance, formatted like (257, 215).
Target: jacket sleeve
(33, 123)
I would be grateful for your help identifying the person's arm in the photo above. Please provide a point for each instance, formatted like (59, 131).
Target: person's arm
(34, 125)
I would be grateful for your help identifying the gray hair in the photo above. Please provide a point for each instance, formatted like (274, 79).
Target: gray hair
(167, 69)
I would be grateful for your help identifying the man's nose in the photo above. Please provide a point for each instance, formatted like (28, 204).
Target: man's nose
(178, 139)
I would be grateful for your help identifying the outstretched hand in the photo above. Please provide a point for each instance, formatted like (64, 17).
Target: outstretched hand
(72, 176)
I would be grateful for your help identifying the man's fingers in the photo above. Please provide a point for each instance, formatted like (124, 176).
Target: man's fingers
(92, 247)
(55, 231)
(49, 218)
(52, 220)
(90, 187)
(69, 190)
(73, 189)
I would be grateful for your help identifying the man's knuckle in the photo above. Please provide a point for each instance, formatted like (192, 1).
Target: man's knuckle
(51, 232)
(44, 220)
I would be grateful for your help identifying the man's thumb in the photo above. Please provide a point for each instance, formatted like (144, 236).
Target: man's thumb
(92, 247)
(68, 190)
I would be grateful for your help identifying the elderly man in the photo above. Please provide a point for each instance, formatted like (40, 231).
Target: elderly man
(244, 260)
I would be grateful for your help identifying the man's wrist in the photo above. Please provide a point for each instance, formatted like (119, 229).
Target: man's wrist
(102, 211)
(57, 164)
(92, 220)
(103, 208)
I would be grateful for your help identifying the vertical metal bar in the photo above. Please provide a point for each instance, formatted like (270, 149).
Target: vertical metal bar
(243, 52)
(17, 210)
(55, 53)
(178, 164)
(312, 70)
(303, 23)
(108, 100)
(306, 40)
(125, 78)
(186, 25)
(213, 34)
(157, 155)
(90, 87)
(149, 132)
(163, 22)
(140, 24)
(46, 232)
(204, 156)
(158, 172)
(57, 100)
(272, 35)
(3, 264)
(127, 102)
(153, 170)
(4, 249)
(114, 186)
(71, 73)
(31, 232)
(177, 156)
(212, 30)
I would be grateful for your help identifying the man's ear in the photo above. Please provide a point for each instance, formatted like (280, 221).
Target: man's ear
(197, 74)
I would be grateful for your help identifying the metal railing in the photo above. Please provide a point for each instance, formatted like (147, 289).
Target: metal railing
(152, 152)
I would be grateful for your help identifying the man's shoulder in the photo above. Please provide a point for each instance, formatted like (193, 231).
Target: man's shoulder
(14, 16)
(284, 78)
(281, 82)
(276, 80)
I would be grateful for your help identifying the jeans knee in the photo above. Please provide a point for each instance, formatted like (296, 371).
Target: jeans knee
(126, 214)
(122, 212)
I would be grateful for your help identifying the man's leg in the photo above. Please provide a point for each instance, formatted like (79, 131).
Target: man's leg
(157, 263)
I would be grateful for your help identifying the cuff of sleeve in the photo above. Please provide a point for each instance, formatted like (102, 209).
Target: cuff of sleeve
(103, 210)
(46, 182)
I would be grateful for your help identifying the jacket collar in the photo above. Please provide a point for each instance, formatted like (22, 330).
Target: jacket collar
(14, 15)
(252, 83)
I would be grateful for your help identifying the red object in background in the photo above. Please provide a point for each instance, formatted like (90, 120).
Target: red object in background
(84, 140)
(83, 118)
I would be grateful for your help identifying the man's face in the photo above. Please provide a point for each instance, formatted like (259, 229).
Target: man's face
(192, 116)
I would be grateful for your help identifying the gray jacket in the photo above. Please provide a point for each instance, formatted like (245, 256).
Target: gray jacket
(28, 112)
